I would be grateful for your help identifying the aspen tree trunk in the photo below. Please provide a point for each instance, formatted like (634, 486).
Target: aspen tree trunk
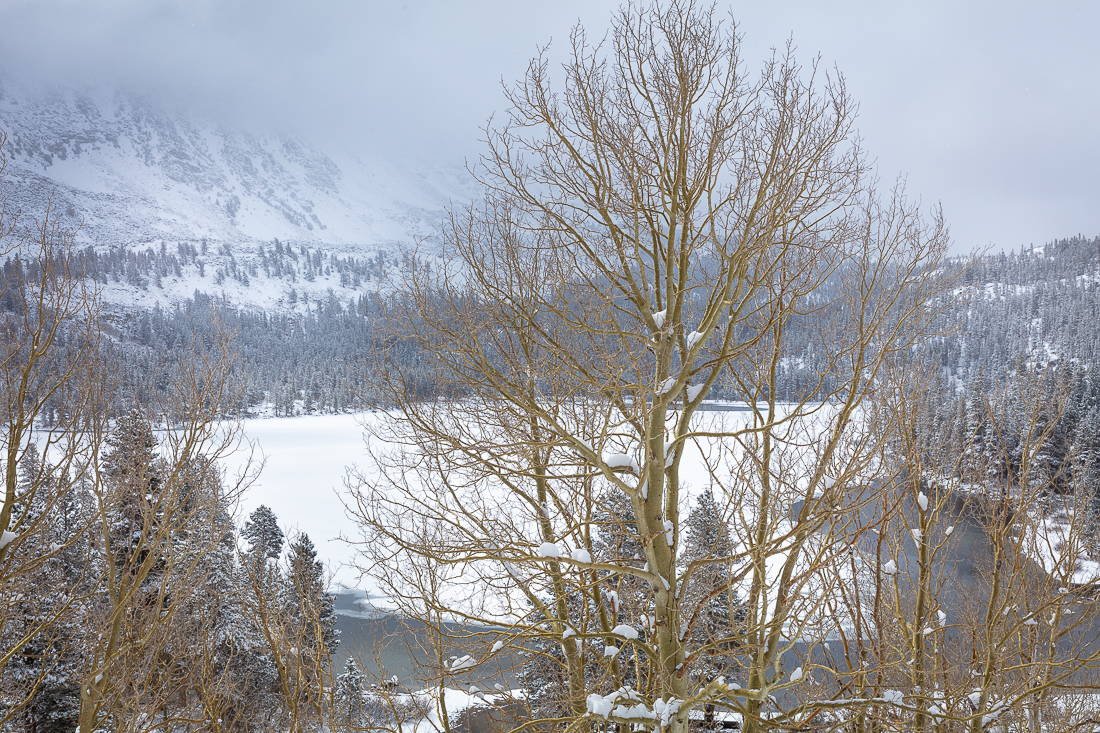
(659, 228)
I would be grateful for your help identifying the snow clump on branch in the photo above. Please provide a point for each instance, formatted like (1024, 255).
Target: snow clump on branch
(621, 460)
(549, 549)
(627, 632)
(610, 706)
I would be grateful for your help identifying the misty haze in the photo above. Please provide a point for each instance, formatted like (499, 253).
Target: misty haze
(425, 366)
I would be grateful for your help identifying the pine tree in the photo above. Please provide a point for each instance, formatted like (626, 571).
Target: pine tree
(617, 538)
(260, 592)
(351, 709)
(265, 545)
(44, 677)
(617, 541)
(715, 604)
(135, 476)
(311, 607)
(214, 625)
(261, 531)
(308, 634)
(542, 676)
(718, 615)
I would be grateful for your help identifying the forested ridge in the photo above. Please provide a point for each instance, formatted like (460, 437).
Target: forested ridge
(1036, 308)
(209, 264)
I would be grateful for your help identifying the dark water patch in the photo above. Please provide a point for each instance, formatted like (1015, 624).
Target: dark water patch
(387, 645)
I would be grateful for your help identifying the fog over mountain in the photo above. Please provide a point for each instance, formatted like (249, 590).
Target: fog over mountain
(131, 171)
(990, 114)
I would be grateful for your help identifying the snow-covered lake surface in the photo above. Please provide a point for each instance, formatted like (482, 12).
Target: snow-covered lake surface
(305, 463)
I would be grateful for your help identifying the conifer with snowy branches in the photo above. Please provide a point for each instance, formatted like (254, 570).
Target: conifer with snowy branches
(717, 615)
(262, 532)
(351, 709)
(542, 675)
(617, 538)
(42, 682)
(259, 591)
(617, 541)
(215, 624)
(717, 612)
(260, 570)
(310, 615)
(134, 476)
(311, 607)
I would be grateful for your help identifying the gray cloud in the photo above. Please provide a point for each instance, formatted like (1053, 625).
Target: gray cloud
(991, 113)
(408, 72)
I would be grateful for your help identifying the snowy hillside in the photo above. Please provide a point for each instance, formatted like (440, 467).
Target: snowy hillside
(138, 177)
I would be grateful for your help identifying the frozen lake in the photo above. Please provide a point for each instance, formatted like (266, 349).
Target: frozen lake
(305, 462)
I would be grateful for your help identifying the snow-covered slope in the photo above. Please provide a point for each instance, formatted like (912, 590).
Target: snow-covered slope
(137, 175)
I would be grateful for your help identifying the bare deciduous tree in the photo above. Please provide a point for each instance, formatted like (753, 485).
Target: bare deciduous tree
(664, 229)
(160, 512)
(54, 389)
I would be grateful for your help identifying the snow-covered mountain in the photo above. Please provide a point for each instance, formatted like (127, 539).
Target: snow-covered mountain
(138, 176)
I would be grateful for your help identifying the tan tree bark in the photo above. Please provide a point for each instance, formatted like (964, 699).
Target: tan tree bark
(661, 227)
(137, 648)
(50, 367)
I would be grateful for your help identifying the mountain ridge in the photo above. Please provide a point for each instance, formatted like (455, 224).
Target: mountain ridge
(129, 173)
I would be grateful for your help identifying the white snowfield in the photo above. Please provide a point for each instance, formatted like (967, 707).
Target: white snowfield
(303, 481)
(305, 461)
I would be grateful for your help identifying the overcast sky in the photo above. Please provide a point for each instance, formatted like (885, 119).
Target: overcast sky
(992, 109)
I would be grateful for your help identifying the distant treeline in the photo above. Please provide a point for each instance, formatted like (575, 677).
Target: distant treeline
(294, 363)
(1034, 310)
(149, 267)
(315, 362)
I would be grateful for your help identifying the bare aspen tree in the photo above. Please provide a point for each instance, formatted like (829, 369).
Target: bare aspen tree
(965, 604)
(72, 597)
(50, 342)
(54, 392)
(159, 512)
(664, 228)
(1035, 646)
(896, 599)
